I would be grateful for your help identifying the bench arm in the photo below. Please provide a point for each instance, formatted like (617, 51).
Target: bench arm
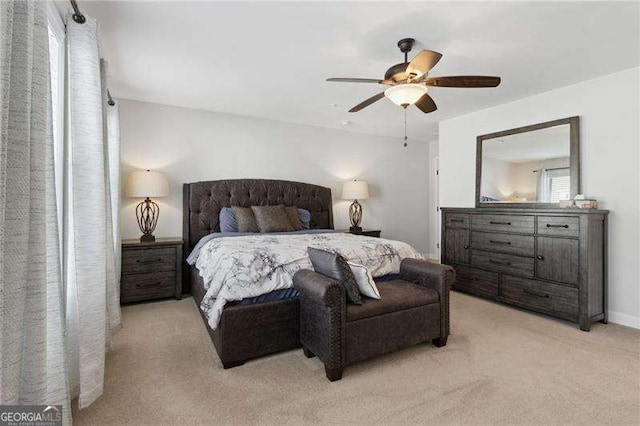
(436, 277)
(322, 317)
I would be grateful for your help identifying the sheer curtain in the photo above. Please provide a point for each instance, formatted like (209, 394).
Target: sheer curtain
(32, 350)
(91, 224)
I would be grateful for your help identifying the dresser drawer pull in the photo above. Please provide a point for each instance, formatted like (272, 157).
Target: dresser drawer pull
(145, 261)
(497, 262)
(500, 223)
(500, 242)
(549, 225)
(457, 220)
(540, 257)
(535, 293)
(154, 284)
(465, 247)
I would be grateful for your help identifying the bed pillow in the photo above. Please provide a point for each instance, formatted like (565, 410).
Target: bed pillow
(365, 281)
(294, 218)
(272, 218)
(305, 218)
(228, 222)
(245, 219)
(334, 266)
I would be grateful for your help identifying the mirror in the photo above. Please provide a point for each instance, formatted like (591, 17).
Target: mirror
(534, 166)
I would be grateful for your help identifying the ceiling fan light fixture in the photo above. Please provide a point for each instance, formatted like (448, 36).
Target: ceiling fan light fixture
(405, 94)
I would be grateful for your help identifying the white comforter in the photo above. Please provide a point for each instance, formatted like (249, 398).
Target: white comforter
(235, 268)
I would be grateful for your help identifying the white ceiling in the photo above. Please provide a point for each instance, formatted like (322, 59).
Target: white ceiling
(270, 60)
(551, 142)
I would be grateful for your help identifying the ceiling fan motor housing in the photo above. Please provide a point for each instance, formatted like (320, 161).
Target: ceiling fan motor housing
(397, 72)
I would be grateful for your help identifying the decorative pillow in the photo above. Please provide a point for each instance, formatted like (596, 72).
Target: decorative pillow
(294, 219)
(305, 218)
(336, 267)
(228, 222)
(365, 281)
(245, 219)
(272, 218)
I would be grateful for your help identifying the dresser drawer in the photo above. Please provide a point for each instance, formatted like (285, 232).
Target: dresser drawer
(456, 220)
(136, 261)
(147, 286)
(554, 298)
(476, 281)
(565, 226)
(503, 223)
(522, 245)
(503, 262)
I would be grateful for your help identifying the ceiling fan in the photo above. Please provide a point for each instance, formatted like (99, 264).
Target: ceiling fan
(409, 81)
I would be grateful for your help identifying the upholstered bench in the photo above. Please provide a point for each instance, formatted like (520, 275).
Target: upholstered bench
(411, 310)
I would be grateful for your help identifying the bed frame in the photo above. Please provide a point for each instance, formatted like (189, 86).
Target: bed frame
(248, 331)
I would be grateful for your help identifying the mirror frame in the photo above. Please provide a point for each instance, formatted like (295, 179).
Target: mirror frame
(574, 160)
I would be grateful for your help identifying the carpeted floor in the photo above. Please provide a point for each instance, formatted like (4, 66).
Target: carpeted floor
(501, 365)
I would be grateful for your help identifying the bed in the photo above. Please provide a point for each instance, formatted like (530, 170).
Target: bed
(242, 283)
(248, 331)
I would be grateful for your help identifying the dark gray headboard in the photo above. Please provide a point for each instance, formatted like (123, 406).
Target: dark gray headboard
(203, 201)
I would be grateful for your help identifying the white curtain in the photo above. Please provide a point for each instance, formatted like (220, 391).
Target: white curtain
(92, 239)
(542, 185)
(32, 351)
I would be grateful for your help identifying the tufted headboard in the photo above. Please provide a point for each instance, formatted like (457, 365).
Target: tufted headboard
(202, 202)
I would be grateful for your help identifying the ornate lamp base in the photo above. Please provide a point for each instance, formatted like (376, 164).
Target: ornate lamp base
(355, 215)
(147, 213)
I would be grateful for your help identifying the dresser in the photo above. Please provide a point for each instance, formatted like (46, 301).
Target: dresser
(551, 261)
(151, 270)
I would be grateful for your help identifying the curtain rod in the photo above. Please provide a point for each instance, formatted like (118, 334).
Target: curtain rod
(554, 168)
(77, 15)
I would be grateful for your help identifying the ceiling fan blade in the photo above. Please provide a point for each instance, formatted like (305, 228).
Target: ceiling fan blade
(423, 62)
(355, 80)
(463, 81)
(368, 102)
(426, 104)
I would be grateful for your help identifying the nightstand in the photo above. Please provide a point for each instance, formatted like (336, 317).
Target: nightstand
(366, 232)
(151, 270)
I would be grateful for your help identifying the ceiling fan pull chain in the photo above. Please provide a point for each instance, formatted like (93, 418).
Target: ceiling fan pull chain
(405, 127)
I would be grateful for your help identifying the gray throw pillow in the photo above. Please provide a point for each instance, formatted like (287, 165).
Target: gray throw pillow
(272, 218)
(294, 218)
(228, 222)
(334, 266)
(305, 218)
(245, 219)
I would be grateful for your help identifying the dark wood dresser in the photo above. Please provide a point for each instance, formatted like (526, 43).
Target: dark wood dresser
(548, 260)
(151, 270)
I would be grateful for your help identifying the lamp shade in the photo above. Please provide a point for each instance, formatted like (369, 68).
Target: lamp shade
(405, 94)
(147, 184)
(355, 190)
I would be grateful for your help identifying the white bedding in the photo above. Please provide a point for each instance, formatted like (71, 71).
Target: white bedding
(235, 268)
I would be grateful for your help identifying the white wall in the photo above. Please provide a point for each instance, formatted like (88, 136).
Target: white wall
(192, 145)
(610, 138)
(434, 219)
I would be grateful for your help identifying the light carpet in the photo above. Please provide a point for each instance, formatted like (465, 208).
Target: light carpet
(501, 365)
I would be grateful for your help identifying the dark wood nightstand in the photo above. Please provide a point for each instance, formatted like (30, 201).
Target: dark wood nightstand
(366, 232)
(151, 270)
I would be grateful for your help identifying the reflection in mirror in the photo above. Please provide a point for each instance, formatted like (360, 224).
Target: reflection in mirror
(527, 167)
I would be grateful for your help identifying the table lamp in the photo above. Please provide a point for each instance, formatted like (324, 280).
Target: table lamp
(355, 190)
(147, 184)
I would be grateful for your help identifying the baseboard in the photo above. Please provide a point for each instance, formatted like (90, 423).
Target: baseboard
(624, 319)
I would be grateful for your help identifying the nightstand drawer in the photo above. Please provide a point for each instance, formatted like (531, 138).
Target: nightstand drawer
(147, 286)
(137, 261)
